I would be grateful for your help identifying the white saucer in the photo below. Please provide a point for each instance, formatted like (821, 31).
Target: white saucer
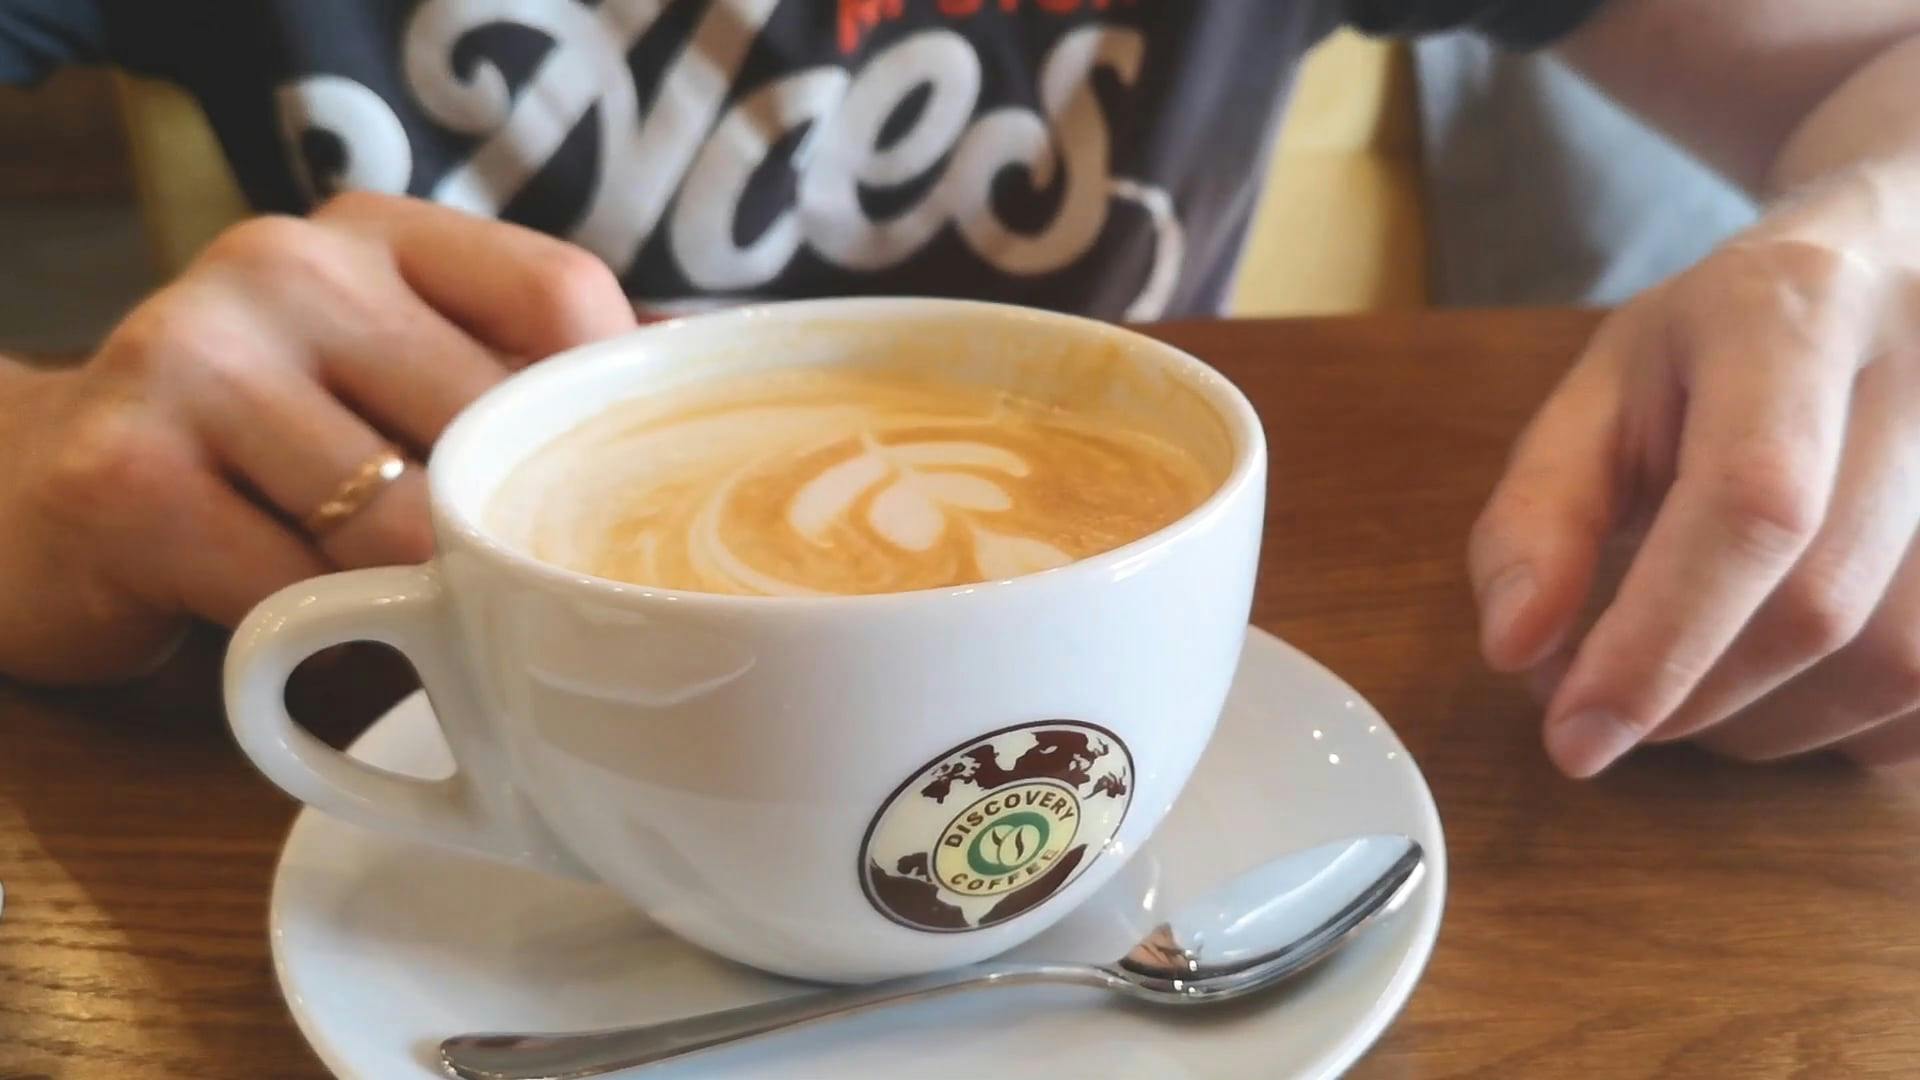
(383, 947)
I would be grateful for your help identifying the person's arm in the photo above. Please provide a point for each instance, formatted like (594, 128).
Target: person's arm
(169, 476)
(1761, 411)
(1774, 93)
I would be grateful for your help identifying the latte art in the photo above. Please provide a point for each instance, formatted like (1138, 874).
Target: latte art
(824, 481)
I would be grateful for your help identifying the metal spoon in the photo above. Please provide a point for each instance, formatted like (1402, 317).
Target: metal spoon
(1252, 933)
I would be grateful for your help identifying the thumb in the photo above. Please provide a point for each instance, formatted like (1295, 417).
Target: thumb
(1533, 551)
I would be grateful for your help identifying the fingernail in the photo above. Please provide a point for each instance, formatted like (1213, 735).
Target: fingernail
(1587, 742)
(1505, 598)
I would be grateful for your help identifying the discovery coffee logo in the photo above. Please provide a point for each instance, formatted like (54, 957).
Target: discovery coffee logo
(995, 827)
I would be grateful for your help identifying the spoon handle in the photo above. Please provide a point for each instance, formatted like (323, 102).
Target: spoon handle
(595, 1053)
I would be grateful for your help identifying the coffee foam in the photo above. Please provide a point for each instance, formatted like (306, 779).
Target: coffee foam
(844, 480)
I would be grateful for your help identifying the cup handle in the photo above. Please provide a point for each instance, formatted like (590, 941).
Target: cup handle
(403, 606)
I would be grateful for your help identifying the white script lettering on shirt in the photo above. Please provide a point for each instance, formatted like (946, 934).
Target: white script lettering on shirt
(686, 162)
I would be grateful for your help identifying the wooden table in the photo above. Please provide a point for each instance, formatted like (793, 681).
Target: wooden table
(1681, 917)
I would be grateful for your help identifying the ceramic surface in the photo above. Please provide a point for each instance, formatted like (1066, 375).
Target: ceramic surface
(782, 780)
(383, 946)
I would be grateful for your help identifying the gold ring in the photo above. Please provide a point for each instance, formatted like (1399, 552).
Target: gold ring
(355, 492)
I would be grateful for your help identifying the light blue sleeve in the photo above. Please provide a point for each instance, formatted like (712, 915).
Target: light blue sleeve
(1542, 191)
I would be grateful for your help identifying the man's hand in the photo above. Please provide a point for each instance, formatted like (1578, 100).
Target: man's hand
(1761, 413)
(164, 478)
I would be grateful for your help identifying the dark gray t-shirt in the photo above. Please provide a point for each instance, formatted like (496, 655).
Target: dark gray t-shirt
(1100, 156)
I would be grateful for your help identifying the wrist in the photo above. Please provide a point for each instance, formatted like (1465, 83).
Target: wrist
(14, 369)
(1866, 209)
(22, 385)
(1867, 123)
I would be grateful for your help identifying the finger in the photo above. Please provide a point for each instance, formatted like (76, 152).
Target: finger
(296, 445)
(412, 373)
(1890, 745)
(1544, 679)
(515, 289)
(240, 554)
(1762, 435)
(1832, 591)
(1873, 680)
(1533, 551)
(335, 305)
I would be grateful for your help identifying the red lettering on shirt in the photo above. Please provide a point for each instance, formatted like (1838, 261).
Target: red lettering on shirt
(860, 17)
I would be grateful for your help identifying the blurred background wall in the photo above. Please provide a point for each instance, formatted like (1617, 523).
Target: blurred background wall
(72, 250)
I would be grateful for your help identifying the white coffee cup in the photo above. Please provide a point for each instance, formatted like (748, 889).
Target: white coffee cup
(782, 780)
